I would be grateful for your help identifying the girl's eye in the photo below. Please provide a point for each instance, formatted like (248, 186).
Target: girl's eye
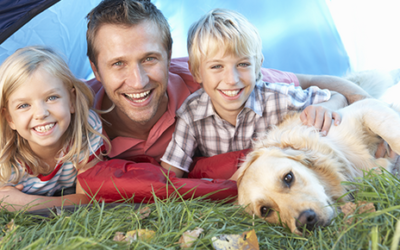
(22, 106)
(53, 98)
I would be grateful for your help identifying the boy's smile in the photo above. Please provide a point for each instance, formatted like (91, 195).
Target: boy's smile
(229, 80)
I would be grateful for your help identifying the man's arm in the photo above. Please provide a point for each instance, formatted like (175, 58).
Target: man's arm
(350, 90)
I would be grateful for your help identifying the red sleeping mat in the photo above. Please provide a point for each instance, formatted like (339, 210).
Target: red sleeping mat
(142, 177)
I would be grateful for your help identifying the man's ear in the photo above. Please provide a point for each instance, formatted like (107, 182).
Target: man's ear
(96, 73)
(4, 112)
(73, 101)
(169, 57)
(196, 77)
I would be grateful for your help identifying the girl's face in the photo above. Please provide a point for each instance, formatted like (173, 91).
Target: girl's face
(40, 111)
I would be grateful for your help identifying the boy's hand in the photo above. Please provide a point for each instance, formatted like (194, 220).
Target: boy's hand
(320, 118)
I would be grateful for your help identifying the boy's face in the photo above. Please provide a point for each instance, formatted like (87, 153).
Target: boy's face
(229, 80)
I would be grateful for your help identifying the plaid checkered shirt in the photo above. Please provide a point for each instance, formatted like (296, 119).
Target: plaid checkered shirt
(199, 127)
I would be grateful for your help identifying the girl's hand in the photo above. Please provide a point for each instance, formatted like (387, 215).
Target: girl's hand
(19, 187)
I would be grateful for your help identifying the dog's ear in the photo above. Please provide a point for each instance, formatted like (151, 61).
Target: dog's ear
(250, 158)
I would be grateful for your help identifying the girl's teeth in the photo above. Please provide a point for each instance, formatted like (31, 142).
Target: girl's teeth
(230, 93)
(44, 128)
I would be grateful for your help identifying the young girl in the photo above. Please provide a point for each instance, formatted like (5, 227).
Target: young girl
(48, 132)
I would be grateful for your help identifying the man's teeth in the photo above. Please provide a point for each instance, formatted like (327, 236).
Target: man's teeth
(45, 128)
(140, 95)
(230, 92)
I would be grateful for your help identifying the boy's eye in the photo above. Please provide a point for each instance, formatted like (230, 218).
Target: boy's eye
(53, 98)
(244, 64)
(216, 67)
(22, 106)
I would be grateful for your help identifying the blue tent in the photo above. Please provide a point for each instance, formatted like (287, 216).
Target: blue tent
(298, 36)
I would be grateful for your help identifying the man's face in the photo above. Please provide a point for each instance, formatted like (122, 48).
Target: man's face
(132, 65)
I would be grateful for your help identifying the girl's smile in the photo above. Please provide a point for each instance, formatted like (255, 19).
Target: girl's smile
(43, 129)
(40, 111)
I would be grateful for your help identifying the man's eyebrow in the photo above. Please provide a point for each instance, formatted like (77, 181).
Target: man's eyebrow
(150, 53)
(116, 59)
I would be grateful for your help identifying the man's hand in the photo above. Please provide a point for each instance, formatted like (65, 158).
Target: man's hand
(385, 150)
(320, 118)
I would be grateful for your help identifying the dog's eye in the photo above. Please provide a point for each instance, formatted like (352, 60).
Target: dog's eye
(288, 178)
(265, 211)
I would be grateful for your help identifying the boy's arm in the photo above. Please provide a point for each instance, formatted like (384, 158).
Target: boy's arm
(181, 148)
(350, 90)
(178, 172)
(320, 115)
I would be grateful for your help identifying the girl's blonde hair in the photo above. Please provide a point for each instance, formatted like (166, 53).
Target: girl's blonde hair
(223, 29)
(14, 150)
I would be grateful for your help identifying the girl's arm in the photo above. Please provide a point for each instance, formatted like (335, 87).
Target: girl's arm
(13, 199)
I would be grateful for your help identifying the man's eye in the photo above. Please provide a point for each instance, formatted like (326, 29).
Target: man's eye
(149, 59)
(117, 64)
(22, 106)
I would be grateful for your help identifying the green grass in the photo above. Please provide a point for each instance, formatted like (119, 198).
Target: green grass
(95, 228)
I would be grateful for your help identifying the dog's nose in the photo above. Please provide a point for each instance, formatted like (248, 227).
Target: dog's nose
(307, 218)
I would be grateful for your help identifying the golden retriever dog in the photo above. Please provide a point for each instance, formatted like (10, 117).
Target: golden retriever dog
(293, 175)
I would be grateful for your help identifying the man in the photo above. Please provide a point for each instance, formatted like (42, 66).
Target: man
(129, 47)
(141, 88)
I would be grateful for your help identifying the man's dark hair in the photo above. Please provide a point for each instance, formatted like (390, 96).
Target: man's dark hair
(127, 13)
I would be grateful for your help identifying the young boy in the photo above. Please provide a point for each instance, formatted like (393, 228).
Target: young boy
(234, 105)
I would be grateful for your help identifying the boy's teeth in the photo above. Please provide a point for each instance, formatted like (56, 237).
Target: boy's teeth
(44, 128)
(140, 95)
(230, 92)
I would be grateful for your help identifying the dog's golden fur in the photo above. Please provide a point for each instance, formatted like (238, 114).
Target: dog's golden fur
(294, 175)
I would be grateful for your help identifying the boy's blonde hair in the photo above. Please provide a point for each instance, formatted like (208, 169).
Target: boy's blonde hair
(14, 150)
(221, 28)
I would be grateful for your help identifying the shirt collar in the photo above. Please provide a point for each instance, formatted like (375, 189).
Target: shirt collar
(204, 108)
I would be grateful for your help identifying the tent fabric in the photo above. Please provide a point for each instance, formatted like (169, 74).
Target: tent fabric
(297, 36)
(14, 14)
